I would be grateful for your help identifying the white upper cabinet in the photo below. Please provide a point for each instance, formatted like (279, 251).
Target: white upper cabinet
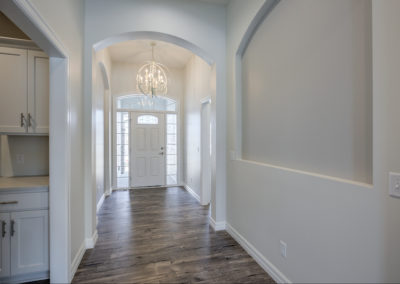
(38, 92)
(13, 90)
(24, 91)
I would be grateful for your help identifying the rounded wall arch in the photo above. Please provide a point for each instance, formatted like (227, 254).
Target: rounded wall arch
(137, 35)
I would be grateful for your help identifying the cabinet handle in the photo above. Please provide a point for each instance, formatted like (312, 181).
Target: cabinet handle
(9, 202)
(29, 120)
(4, 229)
(12, 228)
(22, 120)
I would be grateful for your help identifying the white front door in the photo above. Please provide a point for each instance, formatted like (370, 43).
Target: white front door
(147, 149)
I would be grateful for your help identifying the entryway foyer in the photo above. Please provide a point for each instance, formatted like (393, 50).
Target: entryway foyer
(162, 235)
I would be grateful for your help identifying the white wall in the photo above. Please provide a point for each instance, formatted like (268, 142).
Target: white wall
(197, 87)
(101, 116)
(66, 19)
(193, 24)
(326, 73)
(335, 231)
(36, 155)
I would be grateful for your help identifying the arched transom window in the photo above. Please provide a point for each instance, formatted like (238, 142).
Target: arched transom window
(146, 103)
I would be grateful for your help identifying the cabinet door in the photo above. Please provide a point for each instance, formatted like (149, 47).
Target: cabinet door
(13, 90)
(5, 249)
(38, 92)
(30, 242)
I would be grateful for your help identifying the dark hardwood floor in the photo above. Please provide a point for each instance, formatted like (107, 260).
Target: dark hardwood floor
(162, 235)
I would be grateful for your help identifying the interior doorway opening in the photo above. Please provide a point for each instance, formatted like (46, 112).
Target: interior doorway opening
(206, 151)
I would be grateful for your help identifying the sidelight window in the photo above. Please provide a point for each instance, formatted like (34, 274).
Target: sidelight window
(172, 150)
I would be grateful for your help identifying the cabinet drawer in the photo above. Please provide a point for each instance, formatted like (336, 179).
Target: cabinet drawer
(24, 201)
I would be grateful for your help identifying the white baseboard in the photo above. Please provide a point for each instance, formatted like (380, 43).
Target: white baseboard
(194, 194)
(90, 243)
(100, 202)
(261, 260)
(27, 277)
(217, 226)
(77, 259)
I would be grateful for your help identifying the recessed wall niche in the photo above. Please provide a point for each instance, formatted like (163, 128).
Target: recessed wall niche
(307, 89)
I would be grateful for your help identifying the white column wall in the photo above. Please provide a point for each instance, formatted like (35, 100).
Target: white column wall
(197, 87)
(66, 19)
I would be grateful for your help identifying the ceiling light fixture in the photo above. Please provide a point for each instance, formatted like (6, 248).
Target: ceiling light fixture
(153, 78)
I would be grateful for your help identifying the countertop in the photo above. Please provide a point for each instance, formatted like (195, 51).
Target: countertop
(19, 184)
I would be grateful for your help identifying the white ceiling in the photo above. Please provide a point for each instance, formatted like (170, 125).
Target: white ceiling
(139, 51)
(216, 2)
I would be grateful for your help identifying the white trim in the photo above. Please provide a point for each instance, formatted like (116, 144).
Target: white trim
(18, 43)
(77, 259)
(90, 243)
(217, 226)
(194, 194)
(24, 278)
(205, 197)
(261, 260)
(100, 202)
(366, 185)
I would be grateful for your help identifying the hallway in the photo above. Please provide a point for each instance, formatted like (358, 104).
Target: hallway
(162, 235)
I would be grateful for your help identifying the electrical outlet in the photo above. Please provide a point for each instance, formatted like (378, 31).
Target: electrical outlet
(20, 158)
(394, 185)
(283, 249)
(233, 156)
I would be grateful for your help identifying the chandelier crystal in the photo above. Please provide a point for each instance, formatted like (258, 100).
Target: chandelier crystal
(153, 78)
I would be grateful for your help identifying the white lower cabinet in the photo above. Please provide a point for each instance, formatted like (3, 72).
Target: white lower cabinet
(5, 245)
(24, 246)
(29, 241)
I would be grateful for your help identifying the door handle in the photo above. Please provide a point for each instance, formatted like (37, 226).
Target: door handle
(9, 202)
(4, 229)
(29, 120)
(12, 228)
(22, 120)
(162, 153)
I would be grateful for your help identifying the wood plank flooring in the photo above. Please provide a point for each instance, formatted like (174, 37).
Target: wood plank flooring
(162, 235)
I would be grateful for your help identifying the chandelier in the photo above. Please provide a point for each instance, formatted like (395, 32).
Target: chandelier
(152, 79)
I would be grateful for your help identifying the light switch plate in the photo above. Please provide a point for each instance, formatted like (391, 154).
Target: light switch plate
(233, 156)
(20, 158)
(394, 184)
(283, 249)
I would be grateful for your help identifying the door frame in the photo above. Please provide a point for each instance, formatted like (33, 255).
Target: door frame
(114, 136)
(203, 196)
(30, 21)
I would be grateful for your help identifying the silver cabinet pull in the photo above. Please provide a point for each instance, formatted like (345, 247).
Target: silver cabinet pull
(12, 228)
(9, 202)
(4, 229)
(29, 120)
(162, 153)
(22, 120)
